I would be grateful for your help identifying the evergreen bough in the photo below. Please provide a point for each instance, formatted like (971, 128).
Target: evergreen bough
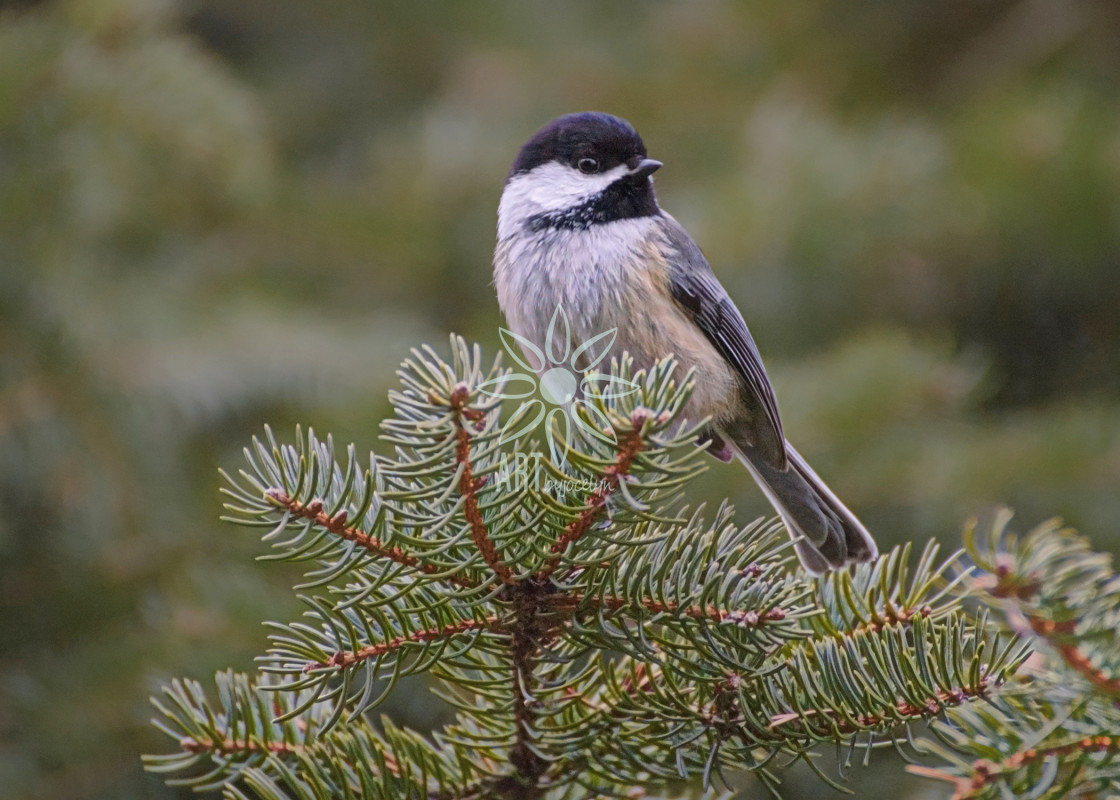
(596, 637)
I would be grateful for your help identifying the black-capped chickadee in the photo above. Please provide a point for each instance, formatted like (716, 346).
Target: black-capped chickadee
(579, 226)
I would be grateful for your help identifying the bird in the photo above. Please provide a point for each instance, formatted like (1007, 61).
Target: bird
(579, 227)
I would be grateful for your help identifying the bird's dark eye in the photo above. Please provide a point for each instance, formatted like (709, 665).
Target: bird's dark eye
(588, 165)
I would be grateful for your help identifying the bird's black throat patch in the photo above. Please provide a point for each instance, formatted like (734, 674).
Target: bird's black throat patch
(626, 198)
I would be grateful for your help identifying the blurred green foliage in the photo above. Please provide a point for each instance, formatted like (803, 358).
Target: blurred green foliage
(215, 215)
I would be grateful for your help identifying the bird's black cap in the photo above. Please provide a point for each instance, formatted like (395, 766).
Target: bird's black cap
(610, 140)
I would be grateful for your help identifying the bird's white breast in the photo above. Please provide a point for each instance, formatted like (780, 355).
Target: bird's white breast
(589, 271)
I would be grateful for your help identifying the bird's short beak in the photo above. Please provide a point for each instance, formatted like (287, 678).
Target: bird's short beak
(643, 167)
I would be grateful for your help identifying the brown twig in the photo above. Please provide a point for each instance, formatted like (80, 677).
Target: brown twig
(903, 710)
(1058, 634)
(336, 524)
(344, 658)
(628, 448)
(725, 715)
(751, 619)
(469, 485)
(985, 772)
(1005, 582)
(528, 631)
(902, 616)
(231, 747)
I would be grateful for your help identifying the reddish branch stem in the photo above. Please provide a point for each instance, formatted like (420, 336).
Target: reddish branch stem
(903, 616)
(1007, 584)
(747, 618)
(233, 747)
(985, 773)
(903, 711)
(344, 658)
(628, 448)
(1057, 634)
(469, 485)
(336, 524)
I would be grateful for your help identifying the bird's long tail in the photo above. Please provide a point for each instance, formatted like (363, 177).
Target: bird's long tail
(826, 534)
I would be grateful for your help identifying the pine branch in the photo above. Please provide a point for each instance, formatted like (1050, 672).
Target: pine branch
(593, 506)
(528, 631)
(343, 660)
(1062, 638)
(988, 774)
(616, 640)
(336, 524)
(747, 619)
(1053, 734)
(469, 485)
(891, 592)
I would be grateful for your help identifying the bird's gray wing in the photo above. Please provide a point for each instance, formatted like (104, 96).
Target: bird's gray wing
(695, 287)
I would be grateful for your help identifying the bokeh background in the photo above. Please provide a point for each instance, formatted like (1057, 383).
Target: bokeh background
(218, 215)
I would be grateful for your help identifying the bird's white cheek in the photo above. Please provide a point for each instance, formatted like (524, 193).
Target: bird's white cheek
(549, 187)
